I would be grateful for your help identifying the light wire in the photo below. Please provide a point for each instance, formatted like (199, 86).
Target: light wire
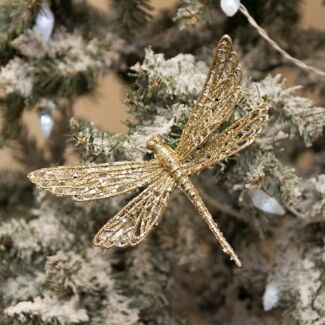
(284, 53)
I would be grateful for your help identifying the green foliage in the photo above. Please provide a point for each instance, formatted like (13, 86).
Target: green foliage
(94, 145)
(11, 110)
(15, 17)
(68, 66)
(48, 80)
(131, 16)
(67, 13)
(18, 15)
(72, 13)
(139, 98)
(160, 84)
(6, 51)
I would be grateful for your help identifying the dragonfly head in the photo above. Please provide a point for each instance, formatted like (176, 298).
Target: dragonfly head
(154, 141)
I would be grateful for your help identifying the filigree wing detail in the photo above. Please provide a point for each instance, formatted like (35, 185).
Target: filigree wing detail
(134, 222)
(96, 181)
(217, 99)
(236, 137)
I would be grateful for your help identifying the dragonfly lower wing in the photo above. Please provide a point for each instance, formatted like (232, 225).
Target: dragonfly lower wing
(134, 222)
(96, 181)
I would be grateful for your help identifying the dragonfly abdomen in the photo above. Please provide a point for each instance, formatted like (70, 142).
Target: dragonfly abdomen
(185, 184)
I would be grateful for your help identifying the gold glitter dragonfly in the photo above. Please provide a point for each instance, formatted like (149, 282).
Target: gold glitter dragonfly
(198, 148)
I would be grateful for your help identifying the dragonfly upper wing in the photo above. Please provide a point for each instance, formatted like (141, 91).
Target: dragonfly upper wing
(233, 139)
(96, 181)
(133, 223)
(217, 99)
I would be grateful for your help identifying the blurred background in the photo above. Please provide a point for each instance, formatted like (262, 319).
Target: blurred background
(269, 199)
(108, 111)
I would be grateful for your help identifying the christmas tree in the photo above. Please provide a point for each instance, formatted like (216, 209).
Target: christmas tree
(268, 199)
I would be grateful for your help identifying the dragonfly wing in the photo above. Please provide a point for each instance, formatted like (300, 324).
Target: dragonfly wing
(217, 99)
(236, 137)
(96, 181)
(133, 223)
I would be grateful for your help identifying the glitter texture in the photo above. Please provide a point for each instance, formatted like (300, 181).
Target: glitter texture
(197, 149)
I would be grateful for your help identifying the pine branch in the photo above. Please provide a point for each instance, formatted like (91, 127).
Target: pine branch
(15, 17)
(6, 51)
(12, 107)
(48, 80)
(18, 15)
(131, 16)
(70, 13)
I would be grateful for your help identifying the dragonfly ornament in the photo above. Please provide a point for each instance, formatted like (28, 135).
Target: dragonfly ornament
(199, 147)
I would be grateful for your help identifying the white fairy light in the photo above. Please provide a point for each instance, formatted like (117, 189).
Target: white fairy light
(44, 23)
(46, 123)
(230, 7)
(271, 296)
(265, 202)
(46, 120)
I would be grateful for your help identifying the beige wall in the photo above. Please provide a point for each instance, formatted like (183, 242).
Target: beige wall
(107, 110)
(313, 14)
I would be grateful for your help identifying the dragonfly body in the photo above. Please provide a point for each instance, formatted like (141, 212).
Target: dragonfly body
(198, 148)
(171, 163)
(166, 156)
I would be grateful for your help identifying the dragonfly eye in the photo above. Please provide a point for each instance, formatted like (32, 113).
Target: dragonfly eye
(153, 141)
(151, 144)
